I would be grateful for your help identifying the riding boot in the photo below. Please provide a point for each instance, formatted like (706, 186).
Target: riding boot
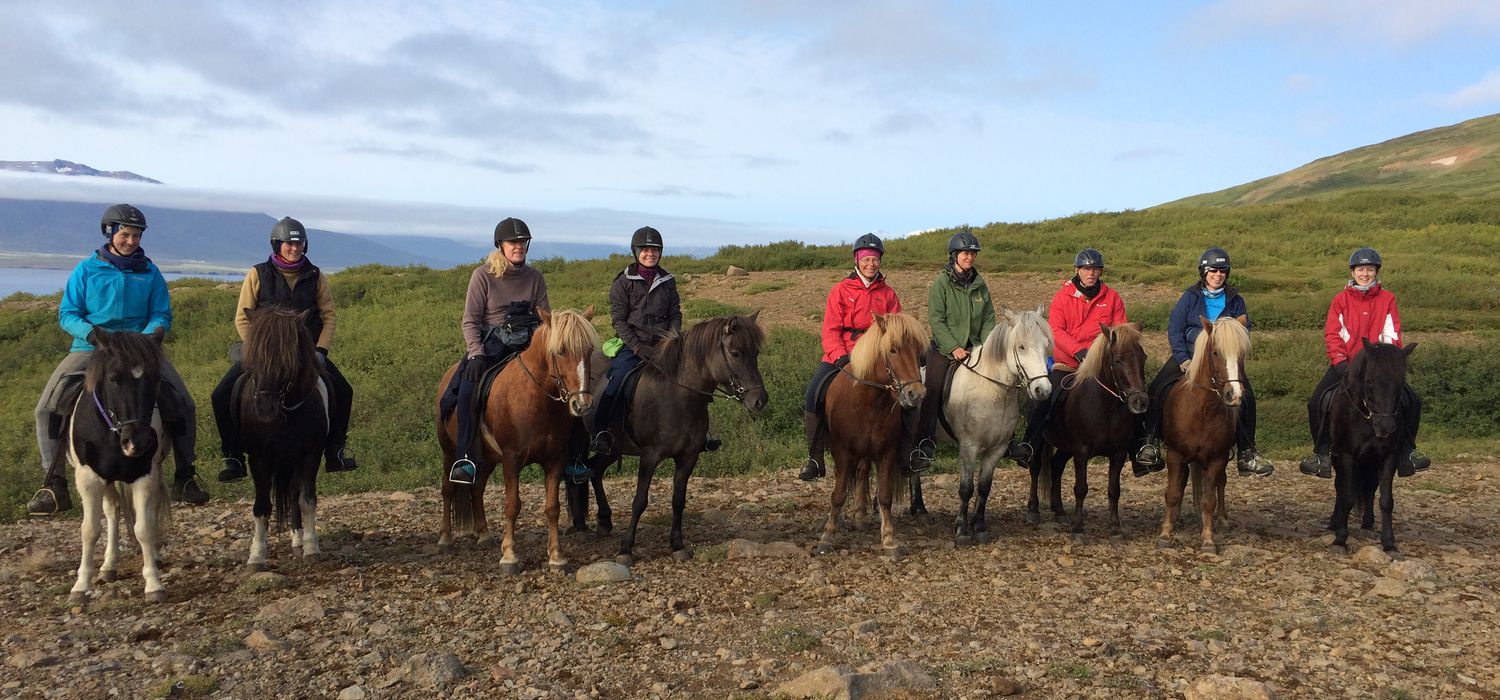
(185, 487)
(53, 496)
(1413, 461)
(234, 468)
(339, 459)
(812, 425)
(1318, 464)
(1026, 450)
(1251, 463)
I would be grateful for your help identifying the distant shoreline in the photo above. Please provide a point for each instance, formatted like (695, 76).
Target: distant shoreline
(55, 261)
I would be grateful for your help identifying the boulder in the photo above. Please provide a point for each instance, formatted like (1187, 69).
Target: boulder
(1229, 688)
(298, 609)
(750, 549)
(603, 572)
(888, 679)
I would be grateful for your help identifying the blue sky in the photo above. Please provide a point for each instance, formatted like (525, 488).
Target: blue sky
(727, 121)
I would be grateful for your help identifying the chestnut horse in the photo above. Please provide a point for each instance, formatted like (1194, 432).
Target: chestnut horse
(863, 413)
(528, 418)
(1099, 410)
(1199, 420)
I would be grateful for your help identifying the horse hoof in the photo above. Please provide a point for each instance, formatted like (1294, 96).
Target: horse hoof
(1033, 518)
(312, 558)
(625, 559)
(512, 568)
(1208, 548)
(485, 539)
(78, 598)
(156, 597)
(575, 529)
(1062, 518)
(915, 511)
(683, 554)
(1338, 550)
(893, 553)
(963, 541)
(1163, 543)
(1078, 538)
(558, 567)
(822, 549)
(1395, 555)
(107, 575)
(445, 547)
(603, 532)
(256, 567)
(981, 537)
(605, 525)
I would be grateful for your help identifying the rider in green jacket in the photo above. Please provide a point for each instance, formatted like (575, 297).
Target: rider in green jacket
(961, 314)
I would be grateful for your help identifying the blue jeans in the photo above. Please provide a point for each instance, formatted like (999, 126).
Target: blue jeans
(623, 362)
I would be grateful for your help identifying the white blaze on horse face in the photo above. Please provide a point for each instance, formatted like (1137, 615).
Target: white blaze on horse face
(1234, 392)
(137, 372)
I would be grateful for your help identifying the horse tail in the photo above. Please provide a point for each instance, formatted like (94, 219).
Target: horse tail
(463, 507)
(283, 491)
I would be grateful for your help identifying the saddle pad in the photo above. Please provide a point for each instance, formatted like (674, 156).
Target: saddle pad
(481, 397)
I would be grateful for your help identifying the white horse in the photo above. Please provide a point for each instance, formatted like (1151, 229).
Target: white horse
(982, 406)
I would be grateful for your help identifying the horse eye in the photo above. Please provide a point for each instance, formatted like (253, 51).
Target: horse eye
(734, 353)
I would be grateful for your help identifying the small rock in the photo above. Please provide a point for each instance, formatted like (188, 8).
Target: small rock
(302, 608)
(31, 659)
(1229, 688)
(144, 630)
(1372, 554)
(749, 549)
(886, 679)
(713, 516)
(1091, 642)
(1411, 571)
(1002, 686)
(667, 643)
(378, 629)
(265, 641)
(1065, 561)
(101, 667)
(864, 627)
(352, 692)
(262, 581)
(603, 572)
(1389, 588)
(400, 496)
(559, 619)
(437, 670)
(736, 272)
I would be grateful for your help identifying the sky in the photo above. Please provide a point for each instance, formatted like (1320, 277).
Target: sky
(718, 122)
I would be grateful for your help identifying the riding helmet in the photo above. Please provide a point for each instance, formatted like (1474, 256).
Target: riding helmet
(1215, 258)
(511, 229)
(121, 215)
(288, 230)
(869, 240)
(1088, 257)
(1364, 256)
(963, 241)
(645, 237)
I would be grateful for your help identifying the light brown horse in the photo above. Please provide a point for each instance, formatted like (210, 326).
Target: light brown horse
(863, 412)
(527, 419)
(1199, 419)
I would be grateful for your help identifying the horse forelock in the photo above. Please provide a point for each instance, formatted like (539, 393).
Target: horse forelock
(569, 334)
(131, 352)
(277, 347)
(1094, 362)
(902, 332)
(1231, 339)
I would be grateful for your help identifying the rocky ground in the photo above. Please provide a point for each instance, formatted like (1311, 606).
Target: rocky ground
(385, 614)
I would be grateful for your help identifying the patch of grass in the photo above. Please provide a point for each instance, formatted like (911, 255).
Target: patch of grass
(763, 287)
(794, 639)
(614, 619)
(1434, 486)
(764, 600)
(715, 552)
(262, 584)
(409, 630)
(1076, 671)
(1123, 681)
(185, 687)
(212, 645)
(707, 308)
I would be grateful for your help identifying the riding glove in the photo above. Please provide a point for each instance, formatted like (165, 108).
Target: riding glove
(474, 368)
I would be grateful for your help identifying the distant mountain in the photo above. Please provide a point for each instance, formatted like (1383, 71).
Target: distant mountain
(68, 167)
(1462, 159)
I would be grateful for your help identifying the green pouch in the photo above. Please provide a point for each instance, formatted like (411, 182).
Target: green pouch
(612, 347)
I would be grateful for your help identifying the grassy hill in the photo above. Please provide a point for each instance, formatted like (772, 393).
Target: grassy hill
(1461, 159)
(398, 326)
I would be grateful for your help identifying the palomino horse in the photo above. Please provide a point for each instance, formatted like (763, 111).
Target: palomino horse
(527, 419)
(863, 412)
(283, 419)
(1097, 417)
(1369, 438)
(1200, 416)
(115, 441)
(668, 417)
(983, 404)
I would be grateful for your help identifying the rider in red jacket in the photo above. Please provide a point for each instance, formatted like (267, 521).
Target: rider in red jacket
(1363, 310)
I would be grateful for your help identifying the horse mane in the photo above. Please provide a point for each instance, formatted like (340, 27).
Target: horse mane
(702, 338)
(900, 330)
(571, 335)
(129, 349)
(1093, 362)
(277, 346)
(1230, 336)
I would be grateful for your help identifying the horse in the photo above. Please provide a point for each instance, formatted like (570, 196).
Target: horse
(1097, 416)
(283, 422)
(668, 417)
(1200, 417)
(116, 444)
(527, 418)
(982, 406)
(1368, 422)
(864, 423)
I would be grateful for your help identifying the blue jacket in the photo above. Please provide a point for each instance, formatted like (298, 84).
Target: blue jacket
(1183, 326)
(100, 294)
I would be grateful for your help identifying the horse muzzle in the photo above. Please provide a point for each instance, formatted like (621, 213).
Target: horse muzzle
(1137, 401)
(911, 395)
(755, 400)
(137, 440)
(1384, 426)
(1039, 388)
(1231, 395)
(580, 405)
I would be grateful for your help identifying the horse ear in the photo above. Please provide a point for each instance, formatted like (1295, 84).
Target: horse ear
(544, 314)
(1207, 325)
(755, 317)
(1367, 343)
(880, 321)
(1010, 315)
(1041, 310)
(1243, 319)
(158, 335)
(98, 337)
(302, 315)
(1103, 328)
(588, 312)
(1407, 349)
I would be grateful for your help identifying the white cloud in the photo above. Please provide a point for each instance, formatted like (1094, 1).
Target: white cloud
(1400, 23)
(1486, 91)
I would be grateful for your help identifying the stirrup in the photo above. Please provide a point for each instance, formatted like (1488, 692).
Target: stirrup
(233, 470)
(915, 458)
(603, 442)
(577, 472)
(463, 472)
(47, 490)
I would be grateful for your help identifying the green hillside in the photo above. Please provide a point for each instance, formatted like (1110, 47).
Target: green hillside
(1462, 159)
(398, 327)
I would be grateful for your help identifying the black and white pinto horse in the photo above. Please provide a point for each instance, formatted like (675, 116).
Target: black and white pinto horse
(283, 415)
(115, 442)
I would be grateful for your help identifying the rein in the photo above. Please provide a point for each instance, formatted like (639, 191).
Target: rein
(562, 396)
(895, 386)
(109, 416)
(1364, 407)
(735, 385)
(1022, 378)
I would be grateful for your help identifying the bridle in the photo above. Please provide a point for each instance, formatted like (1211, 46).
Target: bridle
(1216, 384)
(737, 389)
(1121, 396)
(1023, 379)
(563, 395)
(1363, 406)
(111, 420)
(894, 386)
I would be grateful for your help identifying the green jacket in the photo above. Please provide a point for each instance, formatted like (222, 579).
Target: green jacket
(960, 317)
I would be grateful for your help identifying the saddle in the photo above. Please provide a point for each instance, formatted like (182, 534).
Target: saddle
(620, 408)
(948, 374)
(822, 392)
(481, 397)
(70, 387)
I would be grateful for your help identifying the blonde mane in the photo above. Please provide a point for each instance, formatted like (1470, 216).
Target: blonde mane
(1093, 362)
(901, 332)
(1232, 340)
(571, 335)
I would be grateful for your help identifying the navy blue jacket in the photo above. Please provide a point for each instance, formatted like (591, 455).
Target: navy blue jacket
(1183, 326)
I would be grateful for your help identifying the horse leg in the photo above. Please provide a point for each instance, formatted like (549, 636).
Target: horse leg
(262, 512)
(482, 534)
(1116, 464)
(1212, 473)
(307, 496)
(1388, 507)
(918, 506)
(110, 504)
(90, 495)
(604, 518)
(1223, 510)
(510, 564)
(644, 471)
(552, 476)
(861, 494)
(143, 498)
(841, 476)
(294, 521)
(1366, 501)
(1175, 486)
(1080, 491)
(962, 533)
(684, 469)
(883, 493)
(1033, 500)
(1343, 486)
(1059, 465)
(986, 479)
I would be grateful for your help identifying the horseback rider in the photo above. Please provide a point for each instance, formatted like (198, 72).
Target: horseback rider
(288, 279)
(1363, 310)
(851, 308)
(1077, 309)
(643, 308)
(499, 314)
(961, 315)
(117, 288)
(1210, 297)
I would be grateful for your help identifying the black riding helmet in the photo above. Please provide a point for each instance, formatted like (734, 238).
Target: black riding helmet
(645, 237)
(288, 230)
(869, 240)
(1364, 256)
(1088, 257)
(963, 241)
(511, 229)
(1215, 258)
(121, 215)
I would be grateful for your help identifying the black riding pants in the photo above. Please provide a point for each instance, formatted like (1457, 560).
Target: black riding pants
(1170, 373)
(340, 400)
(1041, 412)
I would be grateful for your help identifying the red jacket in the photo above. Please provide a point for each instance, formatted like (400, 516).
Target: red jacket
(851, 309)
(1075, 319)
(1356, 315)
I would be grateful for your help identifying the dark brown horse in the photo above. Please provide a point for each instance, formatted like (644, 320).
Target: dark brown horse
(1369, 426)
(527, 419)
(668, 417)
(1096, 417)
(1200, 416)
(863, 413)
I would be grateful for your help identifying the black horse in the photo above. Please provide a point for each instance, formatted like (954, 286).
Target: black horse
(668, 417)
(1369, 430)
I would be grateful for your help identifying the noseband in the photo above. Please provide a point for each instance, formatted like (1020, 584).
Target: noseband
(110, 419)
(559, 384)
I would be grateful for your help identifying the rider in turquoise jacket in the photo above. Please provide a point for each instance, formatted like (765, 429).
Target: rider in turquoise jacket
(100, 294)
